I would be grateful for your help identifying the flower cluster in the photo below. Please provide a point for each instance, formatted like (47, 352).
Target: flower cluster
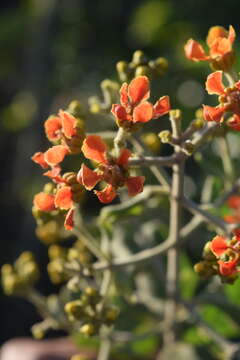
(111, 170)
(134, 108)
(219, 41)
(229, 99)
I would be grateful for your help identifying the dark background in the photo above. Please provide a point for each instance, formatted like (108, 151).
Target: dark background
(55, 51)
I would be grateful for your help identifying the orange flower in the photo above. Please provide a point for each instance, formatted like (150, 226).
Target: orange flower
(52, 157)
(229, 101)
(134, 108)
(219, 41)
(114, 171)
(228, 254)
(44, 202)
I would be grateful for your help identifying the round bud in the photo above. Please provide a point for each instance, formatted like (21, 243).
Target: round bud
(88, 329)
(139, 58)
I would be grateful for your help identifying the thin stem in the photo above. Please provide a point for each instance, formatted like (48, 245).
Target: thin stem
(119, 140)
(105, 349)
(172, 276)
(228, 167)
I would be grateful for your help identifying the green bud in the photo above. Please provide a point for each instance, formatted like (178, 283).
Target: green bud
(165, 136)
(139, 58)
(207, 252)
(143, 70)
(188, 147)
(74, 309)
(88, 329)
(111, 313)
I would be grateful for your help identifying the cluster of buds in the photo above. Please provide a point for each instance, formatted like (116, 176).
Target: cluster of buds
(141, 65)
(61, 259)
(22, 275)
(90, 313)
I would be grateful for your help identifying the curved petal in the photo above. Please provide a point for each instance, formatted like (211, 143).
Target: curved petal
(107, 195)
(214, 84)
(94, 148)
(52, 128)
(231, 34)
(54, 174)
(143, 112)
(87, 177)
(227, 268)
(220, 47)
(63, 198)
(124, 94)
(213, 113)
(135, 185)
(216, 32)
(219, 245)
(234, 122)
(39, 159)
(162, 106)
(138, 90)
(55, 155)
(44, 202)
(69, 124)
(69, 220)
(124, 157)
(119, 112)
(194, 51)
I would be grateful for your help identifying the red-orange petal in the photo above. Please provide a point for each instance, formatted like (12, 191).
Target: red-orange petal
(63, 198)
(119, 112)
(54, 174)
(227, 268)
(143, 112)
(39, 159)
(55, 155)
(44, 202)
(216, 32)
(231, 34)
(234, 122)
(52, 128)
(69, 220)
(219, 245)
(124, 94)
(124, 157)
(107, 195)
(214, 84)
(94, 148)
(213, 113)
(69, 124)
(135, 185)
(194, 51)
(87, 177)
(220, 47)
(162, 106)
(138, 90)
(234, 202)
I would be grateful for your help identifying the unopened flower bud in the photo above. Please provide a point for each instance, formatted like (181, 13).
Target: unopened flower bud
(111, 313)
(160, 65)
(165, 136)
(88, 329)
(188, 147)
(143, 70)
(152, 141)
(74, 309)
(48, 188)
(139, 58)
(176, 114)
(37, 332)
(207, 252)
(123, 71)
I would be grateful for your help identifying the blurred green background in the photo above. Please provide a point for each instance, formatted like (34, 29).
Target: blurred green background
(55, 51)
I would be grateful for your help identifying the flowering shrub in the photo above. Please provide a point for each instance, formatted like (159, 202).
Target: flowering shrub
(120, 167)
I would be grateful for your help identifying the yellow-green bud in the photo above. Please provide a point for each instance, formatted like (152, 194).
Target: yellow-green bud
(207, 252)
(198, 123)
(160, 65)
(165, 136)
(152, 141)
(88, 329)
(122, 70)
(74, 309)
(49, 233)
(56, 251)
(188, 147)
(139, 58)
(90, 291)
(37, 331)
(176, 114)
(48, 188)
(76, 109)
(143, 70)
